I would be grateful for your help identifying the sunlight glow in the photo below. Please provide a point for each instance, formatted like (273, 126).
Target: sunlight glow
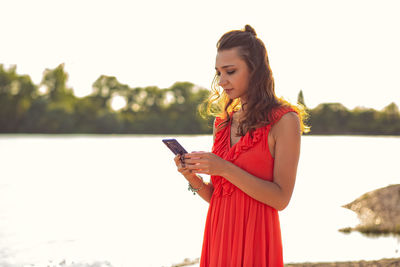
(118, 102)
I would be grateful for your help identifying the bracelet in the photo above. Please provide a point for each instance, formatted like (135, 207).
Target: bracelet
(195, 190)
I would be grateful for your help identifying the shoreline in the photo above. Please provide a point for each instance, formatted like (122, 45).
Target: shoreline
(392, 262)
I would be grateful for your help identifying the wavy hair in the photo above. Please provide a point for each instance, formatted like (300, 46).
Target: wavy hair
(261, 97)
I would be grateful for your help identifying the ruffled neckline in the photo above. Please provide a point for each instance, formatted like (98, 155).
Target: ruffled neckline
(222, 147)
(245, 142)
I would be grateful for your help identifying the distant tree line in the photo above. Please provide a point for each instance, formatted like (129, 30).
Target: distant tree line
(334, 118)
(52, 107)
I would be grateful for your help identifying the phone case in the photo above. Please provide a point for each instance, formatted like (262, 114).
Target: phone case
(174, 146)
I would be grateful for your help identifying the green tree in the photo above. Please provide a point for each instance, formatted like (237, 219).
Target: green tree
(17, 93)
(55, 81)
(300, 98)
(107, 87)
(329, 118)
(389, 119)
(363, 121)
(59, 116)
(182, 111)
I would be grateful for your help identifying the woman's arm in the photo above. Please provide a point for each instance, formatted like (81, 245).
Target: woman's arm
(276, 194)
(206, 189)
(196, 182)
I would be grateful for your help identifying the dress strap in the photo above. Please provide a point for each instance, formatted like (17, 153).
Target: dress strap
(277, 113)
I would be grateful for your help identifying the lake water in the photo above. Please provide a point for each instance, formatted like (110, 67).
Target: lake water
(110, 200)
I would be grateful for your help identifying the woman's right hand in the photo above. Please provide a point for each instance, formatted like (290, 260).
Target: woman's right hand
(181, 167)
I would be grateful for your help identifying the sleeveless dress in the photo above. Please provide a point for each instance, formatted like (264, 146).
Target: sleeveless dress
(239, 230)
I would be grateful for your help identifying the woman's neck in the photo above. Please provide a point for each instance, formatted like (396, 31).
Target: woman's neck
(237, 115)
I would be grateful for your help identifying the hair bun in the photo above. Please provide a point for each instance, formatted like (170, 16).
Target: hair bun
(250, 29)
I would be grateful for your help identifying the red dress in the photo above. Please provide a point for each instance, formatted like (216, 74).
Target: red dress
(239, 230)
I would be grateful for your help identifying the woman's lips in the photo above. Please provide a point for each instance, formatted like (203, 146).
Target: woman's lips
(228, 90)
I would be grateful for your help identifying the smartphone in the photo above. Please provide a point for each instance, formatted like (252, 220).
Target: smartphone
(174, 146)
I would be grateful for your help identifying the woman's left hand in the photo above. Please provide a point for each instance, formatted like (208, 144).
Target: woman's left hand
(205, 162)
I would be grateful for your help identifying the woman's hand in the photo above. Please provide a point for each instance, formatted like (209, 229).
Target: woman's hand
(182, 167)
(205, 162)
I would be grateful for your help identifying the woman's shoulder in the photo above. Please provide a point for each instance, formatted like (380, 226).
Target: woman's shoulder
(279, 112)
(217, 121)
(287, 122)
(218, 125)
(221, 120)
(290, 117)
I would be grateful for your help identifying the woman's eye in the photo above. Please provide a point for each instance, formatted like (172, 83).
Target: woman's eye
(228, 72)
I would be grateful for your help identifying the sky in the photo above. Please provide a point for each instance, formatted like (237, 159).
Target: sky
(335, 51)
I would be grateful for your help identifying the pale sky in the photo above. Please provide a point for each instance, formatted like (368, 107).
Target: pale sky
(335, 51)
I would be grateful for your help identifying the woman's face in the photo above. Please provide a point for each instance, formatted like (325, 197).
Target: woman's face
(233, 73)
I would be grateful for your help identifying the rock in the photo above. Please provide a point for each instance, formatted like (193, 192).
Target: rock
(378, 211)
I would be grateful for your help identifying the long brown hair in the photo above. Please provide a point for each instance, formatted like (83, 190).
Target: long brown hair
(261, 98)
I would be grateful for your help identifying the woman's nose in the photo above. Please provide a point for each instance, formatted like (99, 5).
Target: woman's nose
(222, 81)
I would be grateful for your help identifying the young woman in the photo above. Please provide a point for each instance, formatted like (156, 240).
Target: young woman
(254, 158)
